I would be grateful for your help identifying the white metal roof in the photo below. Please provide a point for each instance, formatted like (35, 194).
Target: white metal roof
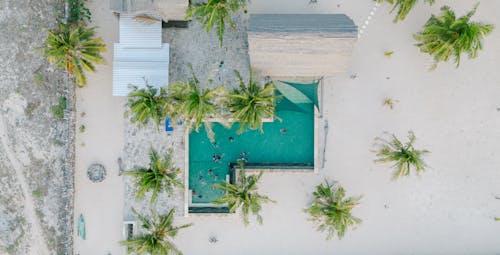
(138, 66)
(137, 34)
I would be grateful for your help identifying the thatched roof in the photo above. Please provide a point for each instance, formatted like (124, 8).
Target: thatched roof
(300, 45)
(167, 9)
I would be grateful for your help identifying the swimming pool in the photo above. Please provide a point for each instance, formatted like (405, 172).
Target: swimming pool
(289, 141)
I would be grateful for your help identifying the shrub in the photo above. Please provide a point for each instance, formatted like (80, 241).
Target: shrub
(58, 110)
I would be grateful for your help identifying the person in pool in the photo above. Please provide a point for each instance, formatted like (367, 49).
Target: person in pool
(231, 139)
(210, 171)
(216, 158)
(283, 131)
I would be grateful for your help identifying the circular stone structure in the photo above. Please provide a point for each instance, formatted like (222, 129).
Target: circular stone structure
(96, 172)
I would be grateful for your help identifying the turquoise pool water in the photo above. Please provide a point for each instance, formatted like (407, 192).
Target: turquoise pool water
(288, 141)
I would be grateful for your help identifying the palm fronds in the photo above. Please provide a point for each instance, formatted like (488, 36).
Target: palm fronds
(331, 210)
(158, 239)
(403, 6)
(160, 176)
(243, 194)
(74, 49)
(403, 155)
(216, 13)
(147, 104)
(193, 104)
(447, 36)
(251, 104)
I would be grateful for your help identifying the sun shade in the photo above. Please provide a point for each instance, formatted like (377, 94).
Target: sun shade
(296, 96)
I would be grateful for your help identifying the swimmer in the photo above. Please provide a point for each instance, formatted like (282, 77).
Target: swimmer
(283, 131)
(216, 177)
(231, 139)
(210, 171)
(216, 158)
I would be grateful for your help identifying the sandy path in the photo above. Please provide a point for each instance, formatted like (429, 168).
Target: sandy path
(39, 246)
(102, 142)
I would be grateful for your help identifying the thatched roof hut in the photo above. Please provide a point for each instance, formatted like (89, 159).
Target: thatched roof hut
(300, 45)
(166, 9)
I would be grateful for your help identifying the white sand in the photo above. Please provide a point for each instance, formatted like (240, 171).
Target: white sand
(447, 210)
(100, 203)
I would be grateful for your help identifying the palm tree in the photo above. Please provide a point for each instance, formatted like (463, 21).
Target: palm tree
(250, 105)
(446, 36)
(158, 239)
(147, 104)
(404, 155)
(192, 104)
(216, 13)
(74, 49)
(243, 194)
(404, 7)
(161, 175)
(331, 210)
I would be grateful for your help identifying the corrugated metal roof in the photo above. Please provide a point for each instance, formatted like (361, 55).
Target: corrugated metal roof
(138, 66)
(136, 34)
(303, 23)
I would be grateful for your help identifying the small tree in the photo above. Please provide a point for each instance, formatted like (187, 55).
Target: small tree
(243, 194)
(147, 104)
(216, 13)
(158, 239)
(403, 6)
(78, 12)
(446, 36)
(161, 175)
(403, 155)
(331, 210)
(74, 49)
(250, 105)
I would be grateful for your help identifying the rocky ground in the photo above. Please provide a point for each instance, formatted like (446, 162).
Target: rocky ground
(36, 153)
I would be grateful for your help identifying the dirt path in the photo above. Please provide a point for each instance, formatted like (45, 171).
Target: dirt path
(38, 244)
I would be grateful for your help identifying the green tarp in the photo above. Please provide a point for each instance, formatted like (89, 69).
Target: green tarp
(297, 96)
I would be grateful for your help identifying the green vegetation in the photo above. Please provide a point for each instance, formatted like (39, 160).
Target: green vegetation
(216, 13)
(403, 155)
(147, 104)
(58, 110)
(389, 102)
(39, 78)
(250, 105)
(78, 12)
(37, 194)
(82, 128)
(243, 194)
(331, 210)
(160, 176)
(447, 36)
(74, 49)
(388, 53)
(158, 239)
(403, 6)
(192, 104)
